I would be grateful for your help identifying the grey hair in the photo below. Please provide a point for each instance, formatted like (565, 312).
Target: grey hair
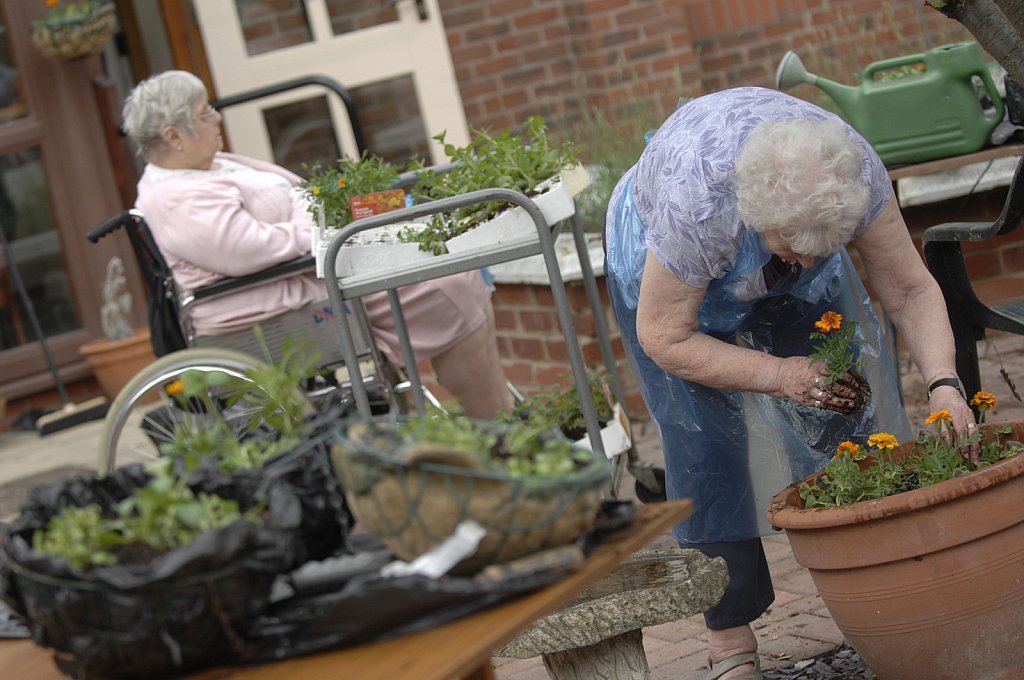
(801, 177)
(161, 100)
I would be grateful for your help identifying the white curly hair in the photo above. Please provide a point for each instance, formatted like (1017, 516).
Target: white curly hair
(161, 100)
(802, 178)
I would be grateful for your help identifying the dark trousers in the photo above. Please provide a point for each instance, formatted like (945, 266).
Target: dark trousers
(750, 591)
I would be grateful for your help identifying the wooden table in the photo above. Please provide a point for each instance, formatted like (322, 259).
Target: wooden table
(460, 649)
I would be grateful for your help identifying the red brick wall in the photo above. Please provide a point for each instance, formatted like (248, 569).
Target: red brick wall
(532, 346)
(515, 58)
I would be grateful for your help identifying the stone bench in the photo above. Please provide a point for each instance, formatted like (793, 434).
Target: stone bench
(599, 633)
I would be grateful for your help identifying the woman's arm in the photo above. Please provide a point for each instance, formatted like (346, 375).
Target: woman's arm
(210, 226)
(667, 328)
(914, 302)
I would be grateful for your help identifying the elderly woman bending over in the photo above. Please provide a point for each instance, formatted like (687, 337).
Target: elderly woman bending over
(217, 215)
(726, 242)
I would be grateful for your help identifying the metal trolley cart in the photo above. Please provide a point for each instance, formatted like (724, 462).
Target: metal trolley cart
(354, 286)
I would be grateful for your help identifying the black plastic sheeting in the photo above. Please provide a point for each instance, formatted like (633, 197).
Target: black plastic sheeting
(187, 608)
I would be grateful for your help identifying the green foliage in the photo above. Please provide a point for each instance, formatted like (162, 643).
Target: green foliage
(506, 160)
(162, 515)
(835, 345)
(270, 397)
(518, 449)
(559, 407)
(81, 536)
(331, 189)
(937, 457)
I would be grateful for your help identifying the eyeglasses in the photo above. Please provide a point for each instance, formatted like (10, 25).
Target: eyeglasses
(208, 113)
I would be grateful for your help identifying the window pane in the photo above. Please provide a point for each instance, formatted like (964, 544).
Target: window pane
(12, 105)
(25, 218)
(391, 119)
(388, 112)
(301, 133)
(269, 26)
(348, 16)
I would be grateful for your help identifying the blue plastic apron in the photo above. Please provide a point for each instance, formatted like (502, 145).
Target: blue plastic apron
(731, 451)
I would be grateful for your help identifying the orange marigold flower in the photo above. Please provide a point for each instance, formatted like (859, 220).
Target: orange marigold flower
(981, 397)
(176, 387)
(883, 440)
(829, 321)
(942, 414)
(847, 449)
(51, 3)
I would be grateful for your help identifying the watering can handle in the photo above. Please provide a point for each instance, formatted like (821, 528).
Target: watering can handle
(885, 64)
(993, 94)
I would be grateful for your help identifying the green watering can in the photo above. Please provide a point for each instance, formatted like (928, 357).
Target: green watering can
(917, 107)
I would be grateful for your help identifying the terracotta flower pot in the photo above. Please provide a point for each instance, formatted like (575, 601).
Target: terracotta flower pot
(114, 362)
(927, 583)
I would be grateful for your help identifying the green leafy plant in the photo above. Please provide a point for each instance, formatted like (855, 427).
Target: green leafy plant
(269, 395)
(158, 517)
(559, 408)
(506, 160)
(518, 449)
(330, 189)
(853, 475)
(835, 345)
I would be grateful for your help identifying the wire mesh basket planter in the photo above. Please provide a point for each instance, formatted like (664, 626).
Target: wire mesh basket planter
(414, 496)
(76, 37)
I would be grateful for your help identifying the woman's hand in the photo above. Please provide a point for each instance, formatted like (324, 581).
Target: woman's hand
(806, 383)
(949, 398)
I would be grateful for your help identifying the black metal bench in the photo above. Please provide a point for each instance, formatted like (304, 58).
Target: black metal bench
(969, 316)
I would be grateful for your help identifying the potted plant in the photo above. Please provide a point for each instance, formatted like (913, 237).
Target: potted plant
(140, 573)
(70, 30)
(265, 427)
(560, 408)
(835, 346)
(916, 552)
(412, 482)
(123, 352)
(529, 163)
(350, 190)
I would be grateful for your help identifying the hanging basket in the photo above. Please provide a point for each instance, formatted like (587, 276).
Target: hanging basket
(74, 38)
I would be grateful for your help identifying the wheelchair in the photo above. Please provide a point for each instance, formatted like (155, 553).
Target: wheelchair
(145, 413)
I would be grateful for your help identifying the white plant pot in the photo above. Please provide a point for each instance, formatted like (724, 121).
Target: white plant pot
(514, 226)
(615, 436)
(376, 250)
(379, 251)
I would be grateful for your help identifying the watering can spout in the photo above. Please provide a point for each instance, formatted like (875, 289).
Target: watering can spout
(791, 72)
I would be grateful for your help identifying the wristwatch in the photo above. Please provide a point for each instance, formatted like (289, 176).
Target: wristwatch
(947, 382)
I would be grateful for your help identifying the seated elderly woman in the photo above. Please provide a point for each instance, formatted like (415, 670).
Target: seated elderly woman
(726, 243)
(217, 215)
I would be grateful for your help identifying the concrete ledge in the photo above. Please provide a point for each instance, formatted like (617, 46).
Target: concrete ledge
(650, 588)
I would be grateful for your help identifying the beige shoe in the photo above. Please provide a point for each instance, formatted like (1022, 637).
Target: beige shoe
(735, 661)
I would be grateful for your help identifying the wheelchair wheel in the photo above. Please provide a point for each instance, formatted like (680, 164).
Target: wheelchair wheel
(144, 415)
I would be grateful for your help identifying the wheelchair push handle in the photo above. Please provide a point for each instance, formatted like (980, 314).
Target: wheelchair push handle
(113, 223)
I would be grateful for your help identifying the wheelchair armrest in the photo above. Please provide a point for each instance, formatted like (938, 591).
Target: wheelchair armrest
(278, 271)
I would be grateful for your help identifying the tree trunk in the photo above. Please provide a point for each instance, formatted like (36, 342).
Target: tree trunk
(996, 24)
